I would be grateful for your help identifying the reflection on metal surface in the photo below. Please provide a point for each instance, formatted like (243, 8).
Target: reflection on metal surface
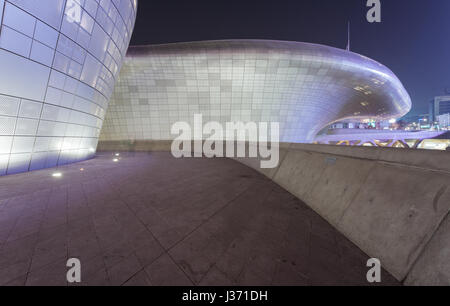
(302, 86)
(59, 60)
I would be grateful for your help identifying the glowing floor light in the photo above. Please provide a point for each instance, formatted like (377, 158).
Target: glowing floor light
(57, 174)
(115, 160)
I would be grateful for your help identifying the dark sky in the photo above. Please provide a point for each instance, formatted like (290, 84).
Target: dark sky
(413, 39)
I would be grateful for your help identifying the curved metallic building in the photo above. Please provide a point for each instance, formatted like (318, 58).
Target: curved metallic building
(59, 60)
(304, 87)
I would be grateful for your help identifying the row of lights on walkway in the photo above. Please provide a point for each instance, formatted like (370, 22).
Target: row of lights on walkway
(59, 174)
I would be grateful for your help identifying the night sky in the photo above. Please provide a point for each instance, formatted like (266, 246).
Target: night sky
(413, 39)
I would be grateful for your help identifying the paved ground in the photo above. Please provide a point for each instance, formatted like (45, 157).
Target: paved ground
(150, 219)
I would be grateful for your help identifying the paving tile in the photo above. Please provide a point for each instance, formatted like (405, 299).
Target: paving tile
(215, 277)
(16, 251)
(20, 281)
(167, 237)
(148, 253)
(10, 272)
(54, 274)
(83, 247)
(155, 220)
(140, 279)
(250, 277)
(286, 276)
(99, 278)
(116, 252)
(25, 226)
(49, 251)
(124, 270)
(164, 272)
(232, 264)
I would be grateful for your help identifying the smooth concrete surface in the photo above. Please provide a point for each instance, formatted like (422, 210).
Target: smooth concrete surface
(135, 146)
(151, 219)
(427, 159)
(433, 266)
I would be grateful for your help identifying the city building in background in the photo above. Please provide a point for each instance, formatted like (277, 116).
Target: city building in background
(444, 121)
(59, 61)
(430, 140)
(411, 131)
(366, 124)
(440, 105)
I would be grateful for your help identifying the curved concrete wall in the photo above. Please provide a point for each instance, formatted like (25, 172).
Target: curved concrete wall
(393, 203)
(302, 86)
(58, 63)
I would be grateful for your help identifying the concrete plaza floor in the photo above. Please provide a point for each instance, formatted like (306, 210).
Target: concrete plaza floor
(150, 219)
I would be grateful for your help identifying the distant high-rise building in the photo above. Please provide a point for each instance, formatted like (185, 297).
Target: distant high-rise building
(439, 106)
(444, 121)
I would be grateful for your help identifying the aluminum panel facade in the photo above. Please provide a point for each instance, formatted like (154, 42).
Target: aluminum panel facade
(304, 87)
(59, 60)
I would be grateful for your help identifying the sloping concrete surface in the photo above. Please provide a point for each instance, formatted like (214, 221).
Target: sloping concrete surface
(432, 268)
(395, 214)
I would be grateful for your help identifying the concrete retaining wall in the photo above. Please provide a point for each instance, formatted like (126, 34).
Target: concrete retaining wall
(138, 146)
(393, 203)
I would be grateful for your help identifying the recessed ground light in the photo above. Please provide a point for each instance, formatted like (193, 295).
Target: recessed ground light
(117, 154)
(57, 174)
(115, 160)
(82, 169)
